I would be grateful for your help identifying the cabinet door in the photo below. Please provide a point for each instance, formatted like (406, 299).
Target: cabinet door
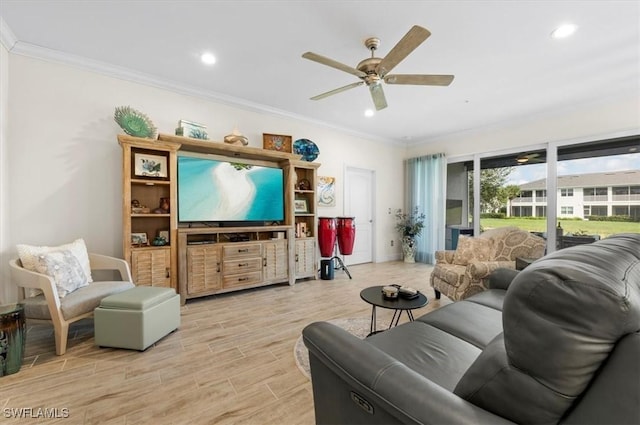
(275, 264)
(203, 269)
(151, 267)
(305, 257)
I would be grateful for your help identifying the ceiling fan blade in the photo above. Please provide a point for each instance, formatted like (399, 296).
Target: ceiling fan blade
(338, 90)
(406, 45)
(333, 64)
(378, 96)
(420, 80)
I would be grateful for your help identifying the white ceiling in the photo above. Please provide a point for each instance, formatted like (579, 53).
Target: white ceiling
(506, 65)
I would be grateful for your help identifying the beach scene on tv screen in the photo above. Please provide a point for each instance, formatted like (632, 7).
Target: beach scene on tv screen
(212, 190)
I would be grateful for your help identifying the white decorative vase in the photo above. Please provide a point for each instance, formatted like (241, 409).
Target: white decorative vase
(409, 249)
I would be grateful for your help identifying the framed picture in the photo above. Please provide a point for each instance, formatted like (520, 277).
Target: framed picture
(192, 129)
(326, 191)
(277, 142)
(150, 165)
(139, 239)
(164, 234)
(300, 206)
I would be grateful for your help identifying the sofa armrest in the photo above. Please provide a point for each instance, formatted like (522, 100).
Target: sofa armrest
(355, 382)
(482, 269)
(501, 278)
(444, 257)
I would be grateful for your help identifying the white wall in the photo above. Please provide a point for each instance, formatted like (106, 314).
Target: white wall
(588, 123)
(4, 171)
(65, 166)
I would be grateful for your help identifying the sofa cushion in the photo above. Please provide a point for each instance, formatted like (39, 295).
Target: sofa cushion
(455, 320)
(472, 249)
(552, 349)
(441, 357)
(83, 300)
(493, 298)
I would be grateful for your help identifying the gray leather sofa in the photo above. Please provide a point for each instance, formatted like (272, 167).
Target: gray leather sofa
(558, 342)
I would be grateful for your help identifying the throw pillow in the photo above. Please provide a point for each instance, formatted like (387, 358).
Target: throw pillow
(64, 268)
(29, 255)
(472, 249)
(29, 258)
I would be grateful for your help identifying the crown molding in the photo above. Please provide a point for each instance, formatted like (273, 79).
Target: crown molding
(7, 37)
(114, 71)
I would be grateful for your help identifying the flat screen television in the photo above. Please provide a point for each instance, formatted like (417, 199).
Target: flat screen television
(217, 190)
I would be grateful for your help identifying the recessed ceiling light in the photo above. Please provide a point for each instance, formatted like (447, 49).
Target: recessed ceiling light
(208, 59)
(564, 31)
(368, 113)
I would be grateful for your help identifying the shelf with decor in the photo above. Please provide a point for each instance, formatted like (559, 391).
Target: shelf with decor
(149, 192)
(303, 211)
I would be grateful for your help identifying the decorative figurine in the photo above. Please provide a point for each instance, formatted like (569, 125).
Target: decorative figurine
(163, 208)
(236, 138)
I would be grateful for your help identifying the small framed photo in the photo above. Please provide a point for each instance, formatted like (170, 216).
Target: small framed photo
(164, 234)
(150, 165)
(139, 239)
(300, 206)
(277, 142)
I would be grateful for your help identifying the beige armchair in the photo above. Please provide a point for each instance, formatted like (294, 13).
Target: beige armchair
(79, 304)
(461, 273)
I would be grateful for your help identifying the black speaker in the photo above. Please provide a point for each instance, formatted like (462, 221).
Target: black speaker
(326, 269)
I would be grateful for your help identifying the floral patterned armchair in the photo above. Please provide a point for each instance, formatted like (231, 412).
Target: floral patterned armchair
(461, 273)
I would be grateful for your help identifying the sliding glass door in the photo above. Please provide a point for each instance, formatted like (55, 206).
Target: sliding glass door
(569, 194)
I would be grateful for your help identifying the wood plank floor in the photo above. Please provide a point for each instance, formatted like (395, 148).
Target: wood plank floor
(230, 362)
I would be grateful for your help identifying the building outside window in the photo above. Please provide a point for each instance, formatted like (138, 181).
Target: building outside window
(566, 192)
(566, 210)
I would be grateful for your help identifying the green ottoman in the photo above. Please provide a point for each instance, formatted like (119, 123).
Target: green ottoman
(136, 318)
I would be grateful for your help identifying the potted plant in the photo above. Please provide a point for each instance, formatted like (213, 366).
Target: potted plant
(409, 226)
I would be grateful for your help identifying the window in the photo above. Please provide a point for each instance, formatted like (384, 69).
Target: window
(594, 194)
(541, 195)
(541, 211)
(620, 210)
(566, 192)
(624, 190)
(566, 210)
(599, 210)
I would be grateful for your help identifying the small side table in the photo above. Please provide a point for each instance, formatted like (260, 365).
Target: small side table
(13, 336)
(373, 295)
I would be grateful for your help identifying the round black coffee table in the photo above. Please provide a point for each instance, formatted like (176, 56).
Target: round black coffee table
(373, 295)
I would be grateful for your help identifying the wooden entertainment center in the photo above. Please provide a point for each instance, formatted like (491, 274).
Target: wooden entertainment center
(204, 259)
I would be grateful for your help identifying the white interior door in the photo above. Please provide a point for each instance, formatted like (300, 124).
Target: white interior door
(358, 203)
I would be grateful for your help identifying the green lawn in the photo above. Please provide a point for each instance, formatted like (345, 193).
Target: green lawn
(602, 228)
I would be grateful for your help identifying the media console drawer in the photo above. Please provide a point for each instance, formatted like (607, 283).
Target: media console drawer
(242, 265)
(235, 250)
(250, 278)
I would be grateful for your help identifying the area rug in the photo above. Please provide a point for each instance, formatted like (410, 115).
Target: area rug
(358, 326)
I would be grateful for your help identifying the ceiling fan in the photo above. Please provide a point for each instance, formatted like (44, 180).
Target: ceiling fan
(373, 71)
(529, 158)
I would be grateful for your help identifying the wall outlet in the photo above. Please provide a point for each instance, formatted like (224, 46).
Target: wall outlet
(391, 242)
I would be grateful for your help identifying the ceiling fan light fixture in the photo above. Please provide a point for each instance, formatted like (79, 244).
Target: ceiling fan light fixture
(564, 31)
(208, 58)
(369, 113)
(522, 160)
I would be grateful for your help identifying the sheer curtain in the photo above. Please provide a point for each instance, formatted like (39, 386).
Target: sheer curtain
(426, 188)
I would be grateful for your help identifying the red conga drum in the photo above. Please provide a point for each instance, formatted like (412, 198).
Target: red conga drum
(346, 234)
(327, 232)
